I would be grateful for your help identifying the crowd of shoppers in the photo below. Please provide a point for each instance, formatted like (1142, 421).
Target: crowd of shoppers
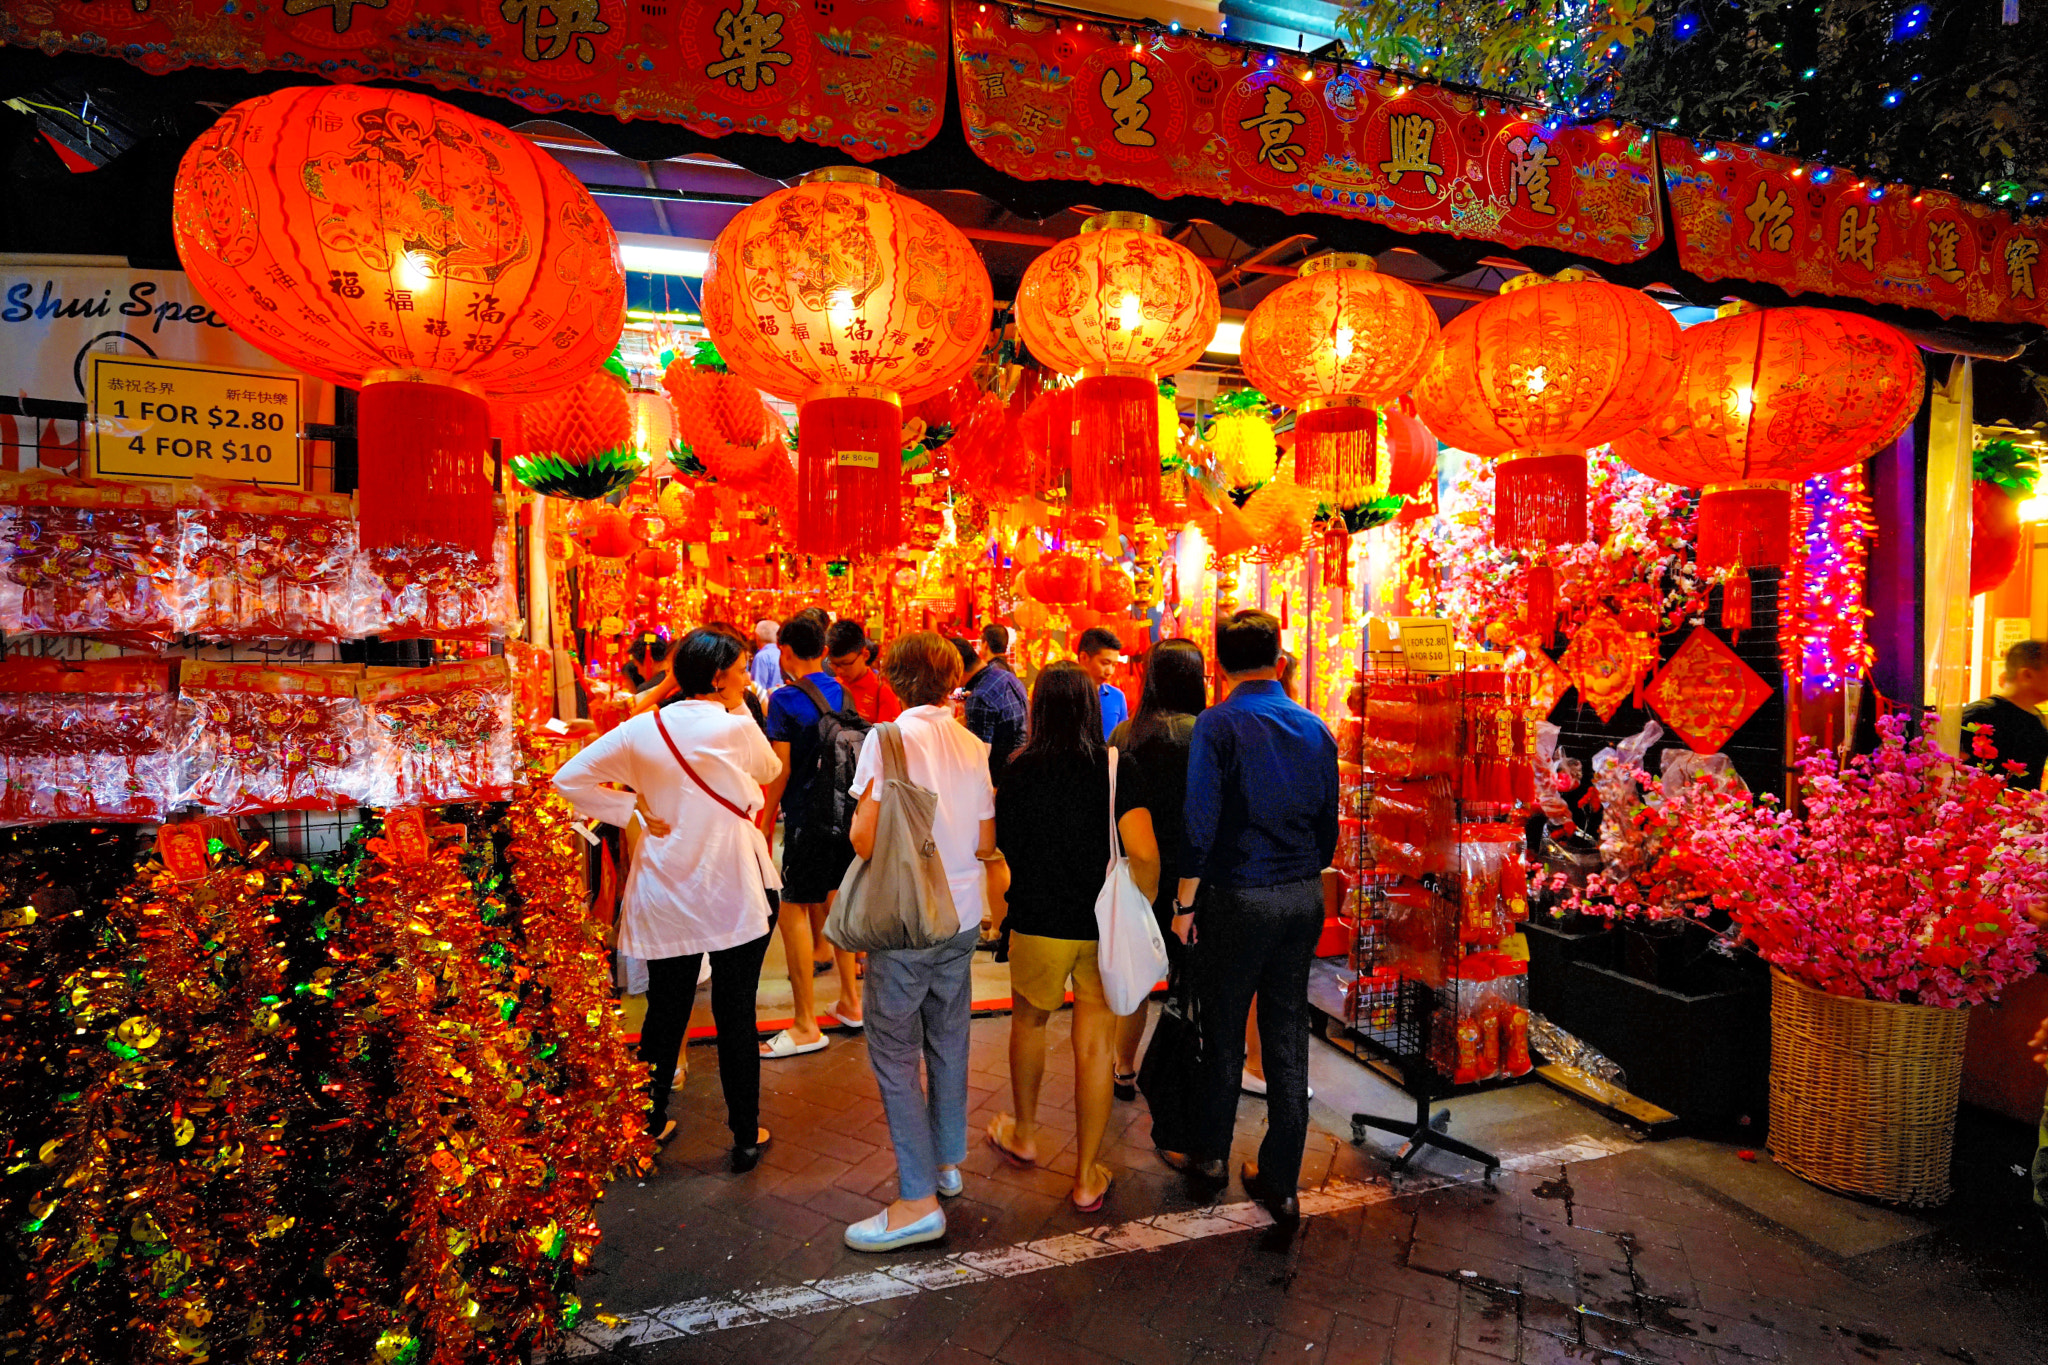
(1226, 815)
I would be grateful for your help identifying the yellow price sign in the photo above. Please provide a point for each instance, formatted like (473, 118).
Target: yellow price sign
(1425, 643)
(167, 419)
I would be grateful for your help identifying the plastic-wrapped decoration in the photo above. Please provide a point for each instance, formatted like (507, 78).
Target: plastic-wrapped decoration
(84, 741)
(439, 592)
(255, 739)
(441, 734)
(266, 566)
(88, 559)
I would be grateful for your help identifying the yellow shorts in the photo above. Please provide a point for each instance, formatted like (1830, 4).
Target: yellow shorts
(1041, 967)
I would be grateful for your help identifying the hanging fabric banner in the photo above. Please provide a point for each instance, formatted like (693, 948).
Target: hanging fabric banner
(1741, 213)
(865, 76)
(1174, 114)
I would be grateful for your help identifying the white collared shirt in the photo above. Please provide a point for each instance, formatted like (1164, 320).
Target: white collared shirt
(945, 757)
(704, 886)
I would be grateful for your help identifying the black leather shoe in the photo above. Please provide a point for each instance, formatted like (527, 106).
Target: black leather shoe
(1282, 1204)
(745, 1159)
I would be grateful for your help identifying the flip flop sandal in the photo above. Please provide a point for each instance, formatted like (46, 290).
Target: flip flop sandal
(1021, 1163)
(782, 1045)
(1096, 1205)
(855, 1024)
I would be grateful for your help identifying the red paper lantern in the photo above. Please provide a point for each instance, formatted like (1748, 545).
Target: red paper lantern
(1766, 399)
(383, 239)
(1114, 592)
(1411, 455)
(607, 532)
(592, 417)
(1059, 580)
(851, 300)
(1539, 374)
(1120, 306)
(1335, 344)
(1995, 535)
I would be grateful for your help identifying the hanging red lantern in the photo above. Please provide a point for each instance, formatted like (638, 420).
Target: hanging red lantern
(1120, 306)
(1114, 591)
(579, 443)
(1766, 399)
(657, 561)
(851, 300)
(1411, 455)
(385, 240)
(607, 532)
(1335, 344)
(1059, 580)
(1995, 536)
(1539, 374)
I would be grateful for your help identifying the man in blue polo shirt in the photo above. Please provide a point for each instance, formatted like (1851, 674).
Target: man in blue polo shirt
(1261, 827)
(1099, 652)
(811, 868)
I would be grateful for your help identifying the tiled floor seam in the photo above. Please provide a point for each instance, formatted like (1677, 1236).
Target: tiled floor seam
(724, 1312)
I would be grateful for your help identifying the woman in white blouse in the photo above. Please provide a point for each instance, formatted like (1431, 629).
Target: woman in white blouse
(702, 881)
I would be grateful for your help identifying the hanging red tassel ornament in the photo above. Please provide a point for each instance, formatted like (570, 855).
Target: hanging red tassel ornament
(849, 471)
(384, 240)
(1336, 449)
(1047, 430)
(1120, 306)
(1735, 603)
(423, 455)
(1539, 500)
(1541, 601)
(851, 300)
(1747, 524)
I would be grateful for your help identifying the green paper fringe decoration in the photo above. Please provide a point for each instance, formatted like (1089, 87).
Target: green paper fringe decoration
(2007, 464)
(600, 477)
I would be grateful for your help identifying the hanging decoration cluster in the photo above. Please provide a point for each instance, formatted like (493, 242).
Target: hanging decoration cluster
(355, 1114)
(851, 300)
(579, 443)
(387, 241)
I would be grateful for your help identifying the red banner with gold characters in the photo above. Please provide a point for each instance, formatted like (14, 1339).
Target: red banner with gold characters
(1175, 114)
(1741, 213)
(865, 76)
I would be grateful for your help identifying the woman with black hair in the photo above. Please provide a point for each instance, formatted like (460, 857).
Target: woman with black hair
(1053, 815)
(1156, 739)
(703, 881)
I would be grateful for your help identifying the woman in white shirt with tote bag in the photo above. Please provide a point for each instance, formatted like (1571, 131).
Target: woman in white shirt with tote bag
(702, 881)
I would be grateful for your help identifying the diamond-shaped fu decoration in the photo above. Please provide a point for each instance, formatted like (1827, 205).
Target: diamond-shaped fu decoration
(1706, 693)
(1605, 660)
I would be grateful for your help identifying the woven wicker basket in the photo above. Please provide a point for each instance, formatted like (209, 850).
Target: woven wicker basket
(1863, 1092)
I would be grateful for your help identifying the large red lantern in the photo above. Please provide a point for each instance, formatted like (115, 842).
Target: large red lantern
(1539, 374)
(1336, 344)
(1765, 400)
(1120, 306)
(850, 300)
(383, 239)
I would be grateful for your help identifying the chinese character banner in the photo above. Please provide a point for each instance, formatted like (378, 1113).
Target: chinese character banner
(1740, 213)
(1177, 114)
(866, 76)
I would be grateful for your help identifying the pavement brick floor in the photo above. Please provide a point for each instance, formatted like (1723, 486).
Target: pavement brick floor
(1619, 1258)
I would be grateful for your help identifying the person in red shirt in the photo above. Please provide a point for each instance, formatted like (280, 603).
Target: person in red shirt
(846, 646)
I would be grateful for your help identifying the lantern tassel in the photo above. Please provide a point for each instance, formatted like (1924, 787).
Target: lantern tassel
(1745, 525)
(1336, 452)
(1539, 500)
(1116, 445)
(1735, 604)
(850, 479)
(422, 460)
(1541, 594)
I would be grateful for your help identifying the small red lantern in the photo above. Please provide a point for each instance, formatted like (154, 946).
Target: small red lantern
(607, 532)
(385, 240)
(1766, 399)
(851, 300)
(657, 561)
(1114, 591)
(1995, 535)
(1059, 580)
(1335, 344)
(1539, 374)
(1411, 455)
(1120, 306)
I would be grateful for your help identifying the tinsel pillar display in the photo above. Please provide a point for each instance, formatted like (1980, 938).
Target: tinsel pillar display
(1535, 377)
(1120, 306)
(851, 300)
(317, 223)
(1763, 401)
(1337, 344)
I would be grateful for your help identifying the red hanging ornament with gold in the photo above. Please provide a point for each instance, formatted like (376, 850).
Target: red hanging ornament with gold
(1766, 399)
(385, 240)
(1536, 376)
(1120, 306)
(851, 300)
(1336, 344)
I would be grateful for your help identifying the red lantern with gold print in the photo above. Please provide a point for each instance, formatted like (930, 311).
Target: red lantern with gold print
(1538, 375)
(1337, 344)
(1120, 306)
(384, 239)
(851, 300)
(1765, 400)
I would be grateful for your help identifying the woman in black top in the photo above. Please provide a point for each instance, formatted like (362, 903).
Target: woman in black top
(1052, 825)
(1176, 691)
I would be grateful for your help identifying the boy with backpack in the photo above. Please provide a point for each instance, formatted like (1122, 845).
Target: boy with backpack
(817, 735)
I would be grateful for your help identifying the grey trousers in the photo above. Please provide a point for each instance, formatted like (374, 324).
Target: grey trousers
(919, 1002)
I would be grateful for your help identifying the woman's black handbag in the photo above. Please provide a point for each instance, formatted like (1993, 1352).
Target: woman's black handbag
(1171, 1074)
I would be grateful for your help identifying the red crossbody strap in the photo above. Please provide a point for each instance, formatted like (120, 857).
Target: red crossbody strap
(693, 772)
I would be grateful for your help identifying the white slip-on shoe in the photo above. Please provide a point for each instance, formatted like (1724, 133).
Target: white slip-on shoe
(874, 1234)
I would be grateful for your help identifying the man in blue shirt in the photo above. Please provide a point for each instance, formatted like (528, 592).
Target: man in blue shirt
(1261, 827)
(811, 868)
(1098, 653)
(767, 666)
(996, 708)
